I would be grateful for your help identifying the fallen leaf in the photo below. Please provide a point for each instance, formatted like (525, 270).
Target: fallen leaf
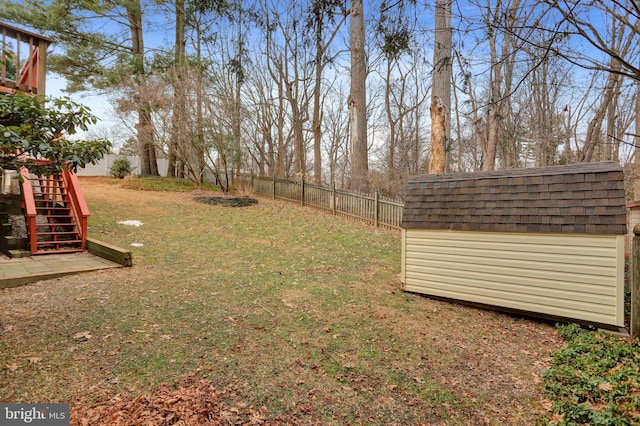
(606, 386)
(82, 336)
(11, 367)
(34, 360)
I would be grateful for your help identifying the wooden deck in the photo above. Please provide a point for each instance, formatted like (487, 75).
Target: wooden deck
(24, 61)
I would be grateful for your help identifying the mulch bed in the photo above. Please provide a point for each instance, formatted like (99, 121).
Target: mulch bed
(227, 201)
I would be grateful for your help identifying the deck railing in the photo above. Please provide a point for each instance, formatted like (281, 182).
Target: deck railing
(23, 65)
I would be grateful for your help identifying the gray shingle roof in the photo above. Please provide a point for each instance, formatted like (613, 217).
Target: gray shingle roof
(578, 198)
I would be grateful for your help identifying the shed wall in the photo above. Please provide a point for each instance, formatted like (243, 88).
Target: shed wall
(577, 276)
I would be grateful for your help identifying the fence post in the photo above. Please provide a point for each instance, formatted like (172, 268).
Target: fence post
(375, 211)
(302, 192)
(635, 283)
(274, 186)
(333, 197)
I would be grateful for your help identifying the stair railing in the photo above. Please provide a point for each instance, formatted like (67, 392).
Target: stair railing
(29, 205)
(80, 209)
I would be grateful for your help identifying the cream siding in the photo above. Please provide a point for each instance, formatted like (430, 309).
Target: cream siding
(578, 276)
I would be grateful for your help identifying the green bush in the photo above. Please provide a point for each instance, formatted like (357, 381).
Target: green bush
(35, 128)
(120, 168)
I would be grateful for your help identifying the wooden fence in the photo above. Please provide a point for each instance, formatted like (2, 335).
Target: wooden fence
(373, 208)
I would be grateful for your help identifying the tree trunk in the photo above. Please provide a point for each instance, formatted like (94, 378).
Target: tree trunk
(636, 163)
(593, 140)
(299, 160)
(357, 100)
(437, 161)
(179, 104)
(316, 124)
(495, 81)
(148, 163)
(391, 160)
(441, 88)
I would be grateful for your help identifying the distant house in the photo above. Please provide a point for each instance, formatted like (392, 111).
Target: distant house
(546, 241)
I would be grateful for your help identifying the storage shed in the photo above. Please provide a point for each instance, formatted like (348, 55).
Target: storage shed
(546, 241)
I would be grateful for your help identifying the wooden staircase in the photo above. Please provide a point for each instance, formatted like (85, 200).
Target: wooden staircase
(56, 217)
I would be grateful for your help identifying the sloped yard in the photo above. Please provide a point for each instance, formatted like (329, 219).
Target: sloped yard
(266, 314)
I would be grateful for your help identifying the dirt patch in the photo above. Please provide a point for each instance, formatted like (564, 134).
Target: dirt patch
(227, 201)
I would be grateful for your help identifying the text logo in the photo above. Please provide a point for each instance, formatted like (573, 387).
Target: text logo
(34, 414)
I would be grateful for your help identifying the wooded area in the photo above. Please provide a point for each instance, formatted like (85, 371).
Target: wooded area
(362, 95)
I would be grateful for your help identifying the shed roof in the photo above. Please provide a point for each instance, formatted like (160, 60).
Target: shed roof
(578, 198)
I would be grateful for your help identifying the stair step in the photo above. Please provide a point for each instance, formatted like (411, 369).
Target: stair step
(57, 251)
(43, 203)
(18, 253)
(54, 207)
(12, 242)
(51, 203)
(55, 216)
(50, 212)
(58, 234)
(58, 246)
(65, 242)
(49, 184)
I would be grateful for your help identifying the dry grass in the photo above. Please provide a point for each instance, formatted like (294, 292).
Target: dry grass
(292, 315)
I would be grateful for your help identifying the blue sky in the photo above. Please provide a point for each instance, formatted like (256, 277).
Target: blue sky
(159, 33)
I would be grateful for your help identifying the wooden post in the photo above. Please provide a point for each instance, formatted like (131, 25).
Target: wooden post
(635, 283)
(333, 197)
(375, 207)
(302, 192)
(42, 66)
(274, 186)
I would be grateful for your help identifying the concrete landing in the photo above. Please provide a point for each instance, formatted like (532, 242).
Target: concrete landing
(15, 272)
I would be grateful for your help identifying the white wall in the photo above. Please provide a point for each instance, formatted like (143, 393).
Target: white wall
(104, 166)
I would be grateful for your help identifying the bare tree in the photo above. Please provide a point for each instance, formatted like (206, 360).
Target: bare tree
(579, 20)
(336, 138)
(289, 64)
(323, 13)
